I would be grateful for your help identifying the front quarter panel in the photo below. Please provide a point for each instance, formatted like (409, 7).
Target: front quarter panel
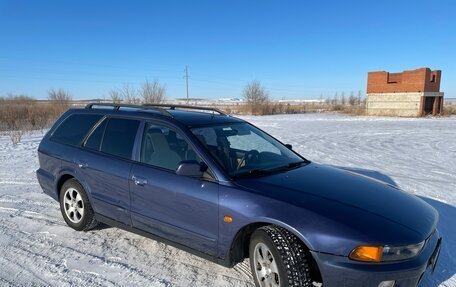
(246, 207)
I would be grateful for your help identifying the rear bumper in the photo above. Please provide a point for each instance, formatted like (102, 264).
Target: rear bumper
(339, 271)
(46, 181)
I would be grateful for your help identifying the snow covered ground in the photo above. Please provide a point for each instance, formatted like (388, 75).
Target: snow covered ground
(37, 248)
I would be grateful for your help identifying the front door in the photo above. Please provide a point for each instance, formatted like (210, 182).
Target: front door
(178, 208)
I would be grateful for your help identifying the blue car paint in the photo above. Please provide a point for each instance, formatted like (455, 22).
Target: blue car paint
(332, 211)
(341, 271)
(182, 209)
(352, 203)
(107, 179)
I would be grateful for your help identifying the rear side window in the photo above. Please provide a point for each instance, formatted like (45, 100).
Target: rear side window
(94, 140)
(74, 128)
(119, 137)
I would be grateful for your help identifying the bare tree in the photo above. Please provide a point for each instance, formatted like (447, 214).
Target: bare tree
(152, 93)
(359, 97)
(60, 101)
(335, 100)
(129, 94)
(342, 99)
(256, 97)
(116, 97)
(328, 101)
(352, 99)
(60, 97)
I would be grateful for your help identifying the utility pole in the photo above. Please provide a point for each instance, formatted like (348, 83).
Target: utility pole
(186, 80)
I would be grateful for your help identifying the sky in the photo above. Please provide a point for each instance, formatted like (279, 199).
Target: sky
(296, 49)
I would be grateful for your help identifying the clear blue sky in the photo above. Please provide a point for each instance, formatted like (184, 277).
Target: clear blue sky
(297, 49)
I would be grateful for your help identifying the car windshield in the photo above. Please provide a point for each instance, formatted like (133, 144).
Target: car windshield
(243, 150)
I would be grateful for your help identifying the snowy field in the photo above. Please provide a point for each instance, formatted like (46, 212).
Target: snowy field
(38, 249)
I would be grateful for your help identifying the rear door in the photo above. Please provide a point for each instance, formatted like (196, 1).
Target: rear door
(179, 208)
(106, 162)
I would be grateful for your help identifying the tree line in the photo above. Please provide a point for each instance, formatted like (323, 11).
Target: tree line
(20, 113)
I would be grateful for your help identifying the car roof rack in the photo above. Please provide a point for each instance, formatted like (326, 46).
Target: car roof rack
(162, 108)
(187, 107)
(118, 106)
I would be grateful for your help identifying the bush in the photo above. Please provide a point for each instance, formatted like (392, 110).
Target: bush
(449, 110)
(19, 114)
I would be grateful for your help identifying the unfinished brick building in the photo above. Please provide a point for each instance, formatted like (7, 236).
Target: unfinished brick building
(414, 93)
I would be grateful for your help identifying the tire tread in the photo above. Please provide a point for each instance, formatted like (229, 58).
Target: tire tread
(293, 254)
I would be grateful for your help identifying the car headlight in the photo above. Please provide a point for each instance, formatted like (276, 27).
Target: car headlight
(385, 253)
(395, 253)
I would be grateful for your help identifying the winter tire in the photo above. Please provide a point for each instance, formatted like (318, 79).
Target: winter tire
(278, 259)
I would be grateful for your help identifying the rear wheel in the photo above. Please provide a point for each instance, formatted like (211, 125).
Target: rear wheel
(75, 206)
(278, 259)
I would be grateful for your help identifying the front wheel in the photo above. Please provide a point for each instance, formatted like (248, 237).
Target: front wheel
(75, 206)
(278, 259)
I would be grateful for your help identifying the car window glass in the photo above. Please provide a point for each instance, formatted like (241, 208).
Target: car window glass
(163, 147)
(119, 137)
(94, 140)
(74, 128)
(241, 148)
(206, 135)
(251, 141)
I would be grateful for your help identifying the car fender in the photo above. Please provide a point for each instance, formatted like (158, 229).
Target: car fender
(251, 210)
(68, 171)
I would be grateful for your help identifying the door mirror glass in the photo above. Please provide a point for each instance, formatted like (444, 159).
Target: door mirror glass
(191, 168)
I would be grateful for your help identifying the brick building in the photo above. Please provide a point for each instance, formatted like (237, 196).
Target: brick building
(414, 93)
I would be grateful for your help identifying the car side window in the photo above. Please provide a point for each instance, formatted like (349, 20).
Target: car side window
(73, 129)
(119, 137)
(94, 140)
(165, 148)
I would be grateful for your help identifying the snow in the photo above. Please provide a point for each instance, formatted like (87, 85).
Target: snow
(37, 248)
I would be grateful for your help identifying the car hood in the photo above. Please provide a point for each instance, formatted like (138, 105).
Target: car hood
(364, 204)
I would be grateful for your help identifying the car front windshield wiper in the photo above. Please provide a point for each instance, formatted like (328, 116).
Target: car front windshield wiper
(253, 172)
(289, 166)
(259, 172)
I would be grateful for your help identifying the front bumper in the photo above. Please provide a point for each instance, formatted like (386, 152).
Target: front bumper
(340, 271)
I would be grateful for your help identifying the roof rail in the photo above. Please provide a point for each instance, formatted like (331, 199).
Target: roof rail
(173, 107)
(118, 106)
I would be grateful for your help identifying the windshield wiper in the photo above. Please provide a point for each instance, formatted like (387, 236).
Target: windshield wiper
(289, 166)
(255, 172)
(259, 171)
(296, 164)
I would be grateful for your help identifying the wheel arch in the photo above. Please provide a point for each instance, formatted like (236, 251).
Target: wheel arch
(62, 179)
(67, 175)
(239, 249)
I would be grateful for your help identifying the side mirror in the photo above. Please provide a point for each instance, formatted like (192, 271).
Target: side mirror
(289, 146)
(191, 168)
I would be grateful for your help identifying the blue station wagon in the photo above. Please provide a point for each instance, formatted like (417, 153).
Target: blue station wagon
(218, 187)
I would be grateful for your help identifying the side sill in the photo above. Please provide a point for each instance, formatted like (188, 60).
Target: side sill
(224, 262)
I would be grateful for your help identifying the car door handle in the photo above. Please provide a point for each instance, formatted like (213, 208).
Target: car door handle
(139, 180)
(82, 164)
